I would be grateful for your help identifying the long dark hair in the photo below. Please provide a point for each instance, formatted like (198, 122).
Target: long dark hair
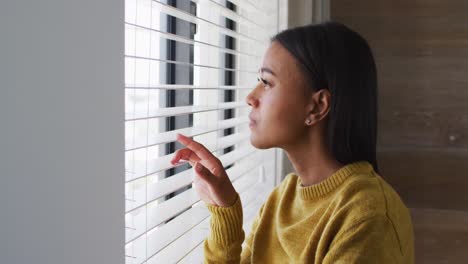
(334, 57)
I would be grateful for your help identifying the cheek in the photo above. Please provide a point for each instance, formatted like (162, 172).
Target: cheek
(279, 122)
(281, 109)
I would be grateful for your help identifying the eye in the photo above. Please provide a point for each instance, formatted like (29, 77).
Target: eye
(265, 82)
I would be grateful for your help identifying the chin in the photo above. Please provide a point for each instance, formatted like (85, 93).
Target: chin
(258, 142)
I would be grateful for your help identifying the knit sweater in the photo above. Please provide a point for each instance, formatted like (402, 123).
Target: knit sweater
(353, 216)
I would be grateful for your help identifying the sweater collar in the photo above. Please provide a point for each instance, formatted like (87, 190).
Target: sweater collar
(317, 190)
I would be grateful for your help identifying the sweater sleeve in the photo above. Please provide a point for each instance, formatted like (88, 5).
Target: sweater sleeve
(224, 242)
(372, 240)
(247, 251)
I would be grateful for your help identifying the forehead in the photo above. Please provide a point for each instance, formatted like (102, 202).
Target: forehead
(278, 59)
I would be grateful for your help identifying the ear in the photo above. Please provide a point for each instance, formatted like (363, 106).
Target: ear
(319, 106)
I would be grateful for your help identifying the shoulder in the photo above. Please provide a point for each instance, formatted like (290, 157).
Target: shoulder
(288, 180)
(368, 198)
(368, 194)
(361, 190)
(275, 195)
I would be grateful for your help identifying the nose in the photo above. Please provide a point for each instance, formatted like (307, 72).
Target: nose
(251, 99)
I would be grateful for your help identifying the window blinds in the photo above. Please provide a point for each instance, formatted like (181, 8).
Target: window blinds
(188, 67)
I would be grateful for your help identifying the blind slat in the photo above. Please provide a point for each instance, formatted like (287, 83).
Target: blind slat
(192, 87)
(188, 67)
(156, 214)
(213, 66)
(170, 136)
(165, 8)
(182, 110)
(163, 163)
(236, 17)
(141, 72)
(203, 42)
(150, 192)
(191, 239)
(159, 238)
(250, 211)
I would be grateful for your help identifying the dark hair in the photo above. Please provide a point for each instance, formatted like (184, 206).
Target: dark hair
(334, 57)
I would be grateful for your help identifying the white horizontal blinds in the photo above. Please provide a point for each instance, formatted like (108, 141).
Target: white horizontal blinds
(188, 67)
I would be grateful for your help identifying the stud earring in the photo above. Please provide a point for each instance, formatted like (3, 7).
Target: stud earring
(309, 121)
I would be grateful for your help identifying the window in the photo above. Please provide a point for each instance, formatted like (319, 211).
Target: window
(188, 67)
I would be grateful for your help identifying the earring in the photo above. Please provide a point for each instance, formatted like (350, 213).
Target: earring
(309, 121)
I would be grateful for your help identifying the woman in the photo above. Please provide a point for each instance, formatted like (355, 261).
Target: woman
(317, 100)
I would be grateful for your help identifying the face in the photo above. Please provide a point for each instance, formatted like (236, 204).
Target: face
(279, 108)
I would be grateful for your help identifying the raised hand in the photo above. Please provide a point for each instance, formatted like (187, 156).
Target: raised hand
(211, 182)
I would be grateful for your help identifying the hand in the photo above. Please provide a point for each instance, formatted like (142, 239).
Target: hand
(211, 182)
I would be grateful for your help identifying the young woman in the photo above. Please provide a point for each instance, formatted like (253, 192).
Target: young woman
(317, 100)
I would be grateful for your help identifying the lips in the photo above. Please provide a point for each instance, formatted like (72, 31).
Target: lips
(252, 120)
(252, 123)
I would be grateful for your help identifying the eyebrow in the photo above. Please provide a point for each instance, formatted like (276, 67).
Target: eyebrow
(263, 69)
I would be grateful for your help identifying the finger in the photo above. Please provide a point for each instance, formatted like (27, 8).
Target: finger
(196, 147)
(186, 155)
(208, 160)
(200, 180)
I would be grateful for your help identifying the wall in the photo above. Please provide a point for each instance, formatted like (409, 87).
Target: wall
(302, 12)
(422, 59)
(62, 132)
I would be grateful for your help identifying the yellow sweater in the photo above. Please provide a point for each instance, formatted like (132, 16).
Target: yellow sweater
(353, 216)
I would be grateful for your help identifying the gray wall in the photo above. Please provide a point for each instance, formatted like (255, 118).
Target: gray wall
(62, 132)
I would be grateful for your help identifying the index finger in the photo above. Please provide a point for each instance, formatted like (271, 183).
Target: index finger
(207, 159)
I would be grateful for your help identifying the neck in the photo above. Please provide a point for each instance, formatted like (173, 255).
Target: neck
(312, 161)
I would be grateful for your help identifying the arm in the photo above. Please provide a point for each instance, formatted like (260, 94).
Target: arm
(224, 243)
(372, 240)
(247, 252)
